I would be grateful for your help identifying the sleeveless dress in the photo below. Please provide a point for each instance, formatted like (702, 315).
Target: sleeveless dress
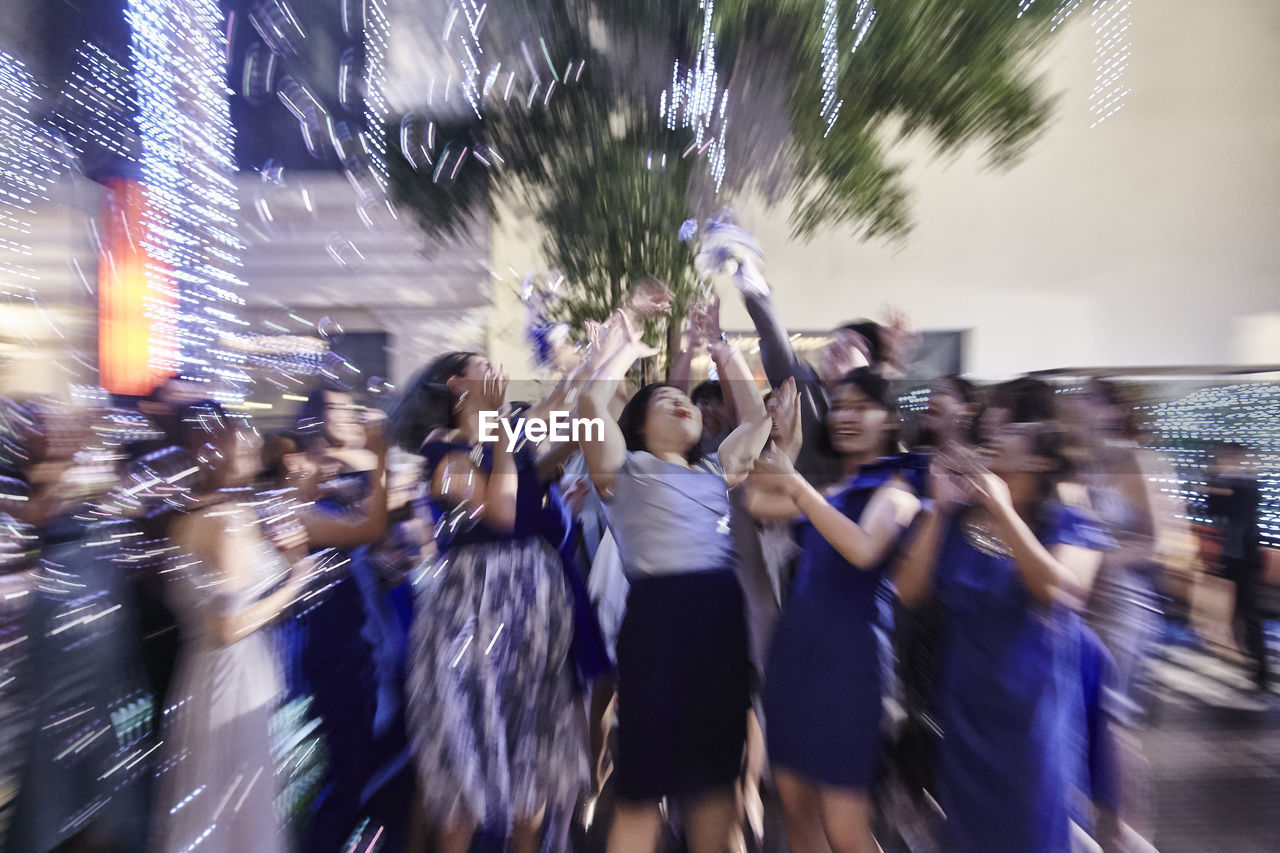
(492, 706)
(1011, 697)
(823, 688)
(218, 783)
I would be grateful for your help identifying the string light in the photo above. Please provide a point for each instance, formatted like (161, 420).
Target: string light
(1111, 24)
(27, 174)
(863, 18)
(98, 105)
(830, 64)
(1246, 414)
(179, 55)
(695, 99)
(1063, 12)
(376, 108)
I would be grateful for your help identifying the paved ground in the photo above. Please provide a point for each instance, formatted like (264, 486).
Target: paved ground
(1213, 745)
(1214, 749)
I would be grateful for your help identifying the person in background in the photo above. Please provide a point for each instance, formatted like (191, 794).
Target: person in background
(885, 348)
(1011, 565)
(347, 647)
(1233, 498)
(717, 415)
(76, 790)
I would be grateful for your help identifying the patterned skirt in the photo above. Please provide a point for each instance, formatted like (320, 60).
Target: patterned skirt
(492, 710)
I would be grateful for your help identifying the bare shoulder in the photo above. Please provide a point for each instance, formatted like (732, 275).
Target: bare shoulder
(899, 494)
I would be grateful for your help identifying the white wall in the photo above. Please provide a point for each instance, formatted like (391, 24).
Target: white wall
(1148, 240)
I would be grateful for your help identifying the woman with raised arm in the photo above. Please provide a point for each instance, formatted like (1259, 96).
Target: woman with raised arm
(823, 682)
(1009, 563)
(683, 666)
(493, 713)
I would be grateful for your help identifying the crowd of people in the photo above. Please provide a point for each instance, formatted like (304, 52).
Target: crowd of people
(921, 633)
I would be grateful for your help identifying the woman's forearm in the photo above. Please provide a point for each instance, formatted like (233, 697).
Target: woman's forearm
(1041, 573)
(913, 577)
(849, 539)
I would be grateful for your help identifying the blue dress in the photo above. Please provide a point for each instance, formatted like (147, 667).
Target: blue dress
(823, 683)
(1010, 697)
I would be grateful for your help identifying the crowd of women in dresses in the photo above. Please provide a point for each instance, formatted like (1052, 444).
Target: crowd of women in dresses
(620, 641)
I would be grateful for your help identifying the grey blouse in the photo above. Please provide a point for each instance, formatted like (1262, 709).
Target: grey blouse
(668, 519)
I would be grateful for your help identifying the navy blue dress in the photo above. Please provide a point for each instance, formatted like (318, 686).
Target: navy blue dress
(1011, 697)
(823, 684)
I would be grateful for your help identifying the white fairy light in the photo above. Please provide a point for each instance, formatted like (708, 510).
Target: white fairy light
(97, 105)
(1063, 12)
(179, 59)
(695, 99)
(27, 173)
(1111, 24)
(863, 18)
(1245, 413)
(830, 64)
(376, 107)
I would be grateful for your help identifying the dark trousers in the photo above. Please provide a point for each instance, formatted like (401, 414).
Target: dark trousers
(1247, 618)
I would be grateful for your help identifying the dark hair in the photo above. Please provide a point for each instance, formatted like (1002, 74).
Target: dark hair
(426, 403)
(636, 412)
(196, 420)
(961, 387)
(1053, 441)
(1027, 399)
(275, 447)
(1110, 394)
(869, 381)
(707, 389)
(311, 418)
(870, 332)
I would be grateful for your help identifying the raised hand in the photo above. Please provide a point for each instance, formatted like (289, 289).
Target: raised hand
(945, 487)
(705, 318)
(650, 301)
(632, 340)
(901, 339)
(375, 439)
(493, 388)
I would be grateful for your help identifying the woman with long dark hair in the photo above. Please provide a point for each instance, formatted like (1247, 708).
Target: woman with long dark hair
(682, 650)
(823, 682)
(494, 722)
(1010, 563)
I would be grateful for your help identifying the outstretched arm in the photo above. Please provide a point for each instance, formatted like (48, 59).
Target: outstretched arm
(741, 448)
(863, 543)
(325, 531)
(605, 457)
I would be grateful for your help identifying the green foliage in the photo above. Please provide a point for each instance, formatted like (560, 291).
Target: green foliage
(953, 73)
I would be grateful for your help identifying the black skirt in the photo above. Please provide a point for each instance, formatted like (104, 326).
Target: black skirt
(684, 680)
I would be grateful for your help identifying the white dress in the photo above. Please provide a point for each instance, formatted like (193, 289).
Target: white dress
(217, 780)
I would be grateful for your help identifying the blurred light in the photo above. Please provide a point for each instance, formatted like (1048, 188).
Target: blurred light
(179, 60)
(137, 340)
